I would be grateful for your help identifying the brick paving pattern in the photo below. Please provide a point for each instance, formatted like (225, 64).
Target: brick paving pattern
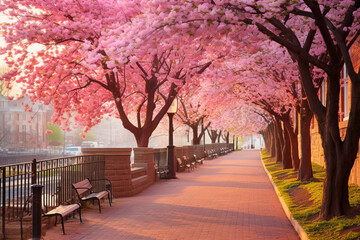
(229, 197)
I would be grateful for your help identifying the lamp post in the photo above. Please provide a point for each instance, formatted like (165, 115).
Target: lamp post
(170, 149)
(202, 130)
(234, 142)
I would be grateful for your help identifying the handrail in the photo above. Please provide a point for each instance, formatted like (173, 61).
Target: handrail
(16, 180)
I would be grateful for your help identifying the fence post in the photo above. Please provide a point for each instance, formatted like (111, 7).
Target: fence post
(36, 211)
(3, 200)
(33, 170)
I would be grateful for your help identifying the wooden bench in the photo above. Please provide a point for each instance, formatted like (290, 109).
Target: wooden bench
(198, 161)
(63, 211)
(85, 193)
(190, 162)
(182, 165)
(211, 154)
(161, 170)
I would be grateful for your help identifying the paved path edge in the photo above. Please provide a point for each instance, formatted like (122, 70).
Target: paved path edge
(296, 225)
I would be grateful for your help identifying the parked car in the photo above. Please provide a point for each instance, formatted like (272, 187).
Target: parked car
(89, 144)
(3, 150)
(75, 150)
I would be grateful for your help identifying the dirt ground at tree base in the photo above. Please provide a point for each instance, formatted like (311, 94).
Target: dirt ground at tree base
(301, 196)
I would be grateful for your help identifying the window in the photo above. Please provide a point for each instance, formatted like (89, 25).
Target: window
(346, 99)
(345, 95)
(24, 133)
(323, 97)
(12, 103)
(345, 72)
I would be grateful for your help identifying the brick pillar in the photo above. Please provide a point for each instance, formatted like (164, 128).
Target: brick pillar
(117, 168)
(144, 156)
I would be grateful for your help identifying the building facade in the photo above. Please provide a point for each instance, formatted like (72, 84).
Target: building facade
(317, 152)
(20, 129)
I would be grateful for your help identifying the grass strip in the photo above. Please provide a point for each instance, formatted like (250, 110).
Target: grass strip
(304, 202)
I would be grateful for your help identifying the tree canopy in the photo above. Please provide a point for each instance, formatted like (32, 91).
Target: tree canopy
(259, 59)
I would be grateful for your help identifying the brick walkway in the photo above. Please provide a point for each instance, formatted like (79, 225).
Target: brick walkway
(226, 198)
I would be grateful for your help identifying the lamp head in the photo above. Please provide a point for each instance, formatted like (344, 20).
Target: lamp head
(174, 106)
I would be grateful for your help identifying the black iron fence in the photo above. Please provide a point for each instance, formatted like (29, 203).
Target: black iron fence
(56, 176)
(160, 157)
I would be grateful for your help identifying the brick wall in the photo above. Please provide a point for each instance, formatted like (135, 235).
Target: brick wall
(145, 156)
(117, 167)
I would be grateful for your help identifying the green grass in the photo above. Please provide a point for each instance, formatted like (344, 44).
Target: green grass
(308, 216)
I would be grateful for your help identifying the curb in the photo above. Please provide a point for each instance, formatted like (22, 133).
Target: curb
(302, 234)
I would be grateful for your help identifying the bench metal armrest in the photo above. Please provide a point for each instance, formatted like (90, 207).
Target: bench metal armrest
(100, 179)
(108, 184)
(89, 189)
(107, 181)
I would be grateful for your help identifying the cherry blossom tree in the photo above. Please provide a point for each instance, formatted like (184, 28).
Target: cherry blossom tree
(338, 30)
(92, 50)
(317, 34)
(88, 65)
(190, 112)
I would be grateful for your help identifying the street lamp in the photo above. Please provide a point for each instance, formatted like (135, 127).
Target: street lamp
(170, 149)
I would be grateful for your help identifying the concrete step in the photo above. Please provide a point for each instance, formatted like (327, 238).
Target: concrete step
(137, 172)
(139, 165)
(139, 184)
(139, 180)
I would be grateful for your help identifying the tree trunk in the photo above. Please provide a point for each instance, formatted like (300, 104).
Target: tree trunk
(227, 137)
(278, 141)
(142, 139)
(339, 155)
(272, 141)
(335, 194)
(286, 151)
(305, 171)
(293, 144)
(218, 136)
(265, 134)
(196, 138)
(212, 135)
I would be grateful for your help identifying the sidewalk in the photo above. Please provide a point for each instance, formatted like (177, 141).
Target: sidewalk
(229, 197)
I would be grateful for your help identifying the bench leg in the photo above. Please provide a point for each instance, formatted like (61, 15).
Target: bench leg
(62, 224)
(99, 206)
(80, 214)
(110, 198)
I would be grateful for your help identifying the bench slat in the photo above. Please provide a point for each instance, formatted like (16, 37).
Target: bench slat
(85, 186)
(98, 195)
(82, 186)
(63, 209)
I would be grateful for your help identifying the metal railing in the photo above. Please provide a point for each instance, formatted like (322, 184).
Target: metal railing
(160, 157)
(56, 176)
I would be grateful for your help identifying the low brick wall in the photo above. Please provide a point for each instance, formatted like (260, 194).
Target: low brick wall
(198, 150)
(145, 156)
(117, 167)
